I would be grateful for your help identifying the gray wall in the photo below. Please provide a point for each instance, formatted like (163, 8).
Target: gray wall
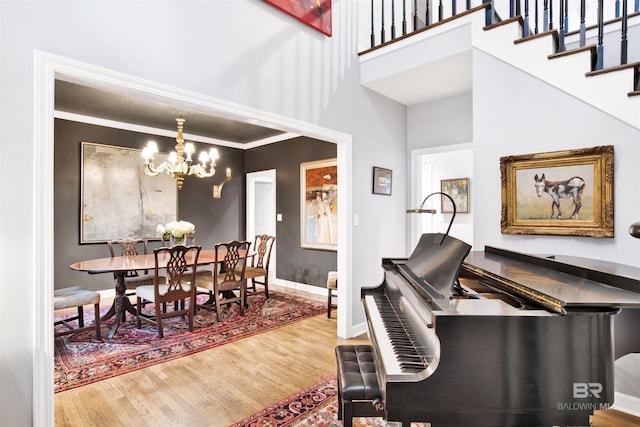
(295, 264)
(215, 219)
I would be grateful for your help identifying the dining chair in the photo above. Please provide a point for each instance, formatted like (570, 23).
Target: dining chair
(133, 278)
(259, 267)
(332, 288)
(227, 277)
(76, 297)
(179, 285)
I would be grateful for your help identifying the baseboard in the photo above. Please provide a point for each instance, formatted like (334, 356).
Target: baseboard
(627, 403)
(301, 287)
(359, 329)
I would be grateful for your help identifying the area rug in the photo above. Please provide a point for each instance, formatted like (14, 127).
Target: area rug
(316, 405)
(80, 359)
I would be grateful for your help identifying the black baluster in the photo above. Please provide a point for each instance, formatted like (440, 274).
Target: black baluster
(583, 28)
(453, 7)
(617, 12)
(440, 11)
(393, 19)
(536, 19)
(415, 15)
(545, 16)
(468, 4)
(373, 35)
(623, 45)
(526, 31)
(600, 47)
(561, 31)
(512, 8)
(382, 18)
(551, 14)
(566, 16)
(489, 12)
(427, 13)
(404, 17)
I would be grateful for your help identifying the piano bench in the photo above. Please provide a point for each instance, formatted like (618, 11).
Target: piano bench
(358, 390)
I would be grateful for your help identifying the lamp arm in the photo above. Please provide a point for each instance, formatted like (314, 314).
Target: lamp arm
(452, 202)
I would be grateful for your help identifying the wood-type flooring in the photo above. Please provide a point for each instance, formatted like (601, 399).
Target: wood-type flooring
(218, 387)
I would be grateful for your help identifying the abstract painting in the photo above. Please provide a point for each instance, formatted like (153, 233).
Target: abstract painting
(118, 199)
(314, 13)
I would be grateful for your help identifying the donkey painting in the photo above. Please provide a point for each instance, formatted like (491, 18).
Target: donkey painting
(570, 188)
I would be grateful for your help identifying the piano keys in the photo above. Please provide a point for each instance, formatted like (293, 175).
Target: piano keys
(494, 337)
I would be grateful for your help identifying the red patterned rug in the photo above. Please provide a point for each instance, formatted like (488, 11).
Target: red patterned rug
(80, 359)
(314, 406)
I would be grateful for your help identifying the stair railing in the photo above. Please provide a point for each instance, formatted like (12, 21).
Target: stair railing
(423, 18)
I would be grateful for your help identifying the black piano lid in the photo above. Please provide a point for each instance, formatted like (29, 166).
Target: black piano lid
(573, 281)
(436, 262)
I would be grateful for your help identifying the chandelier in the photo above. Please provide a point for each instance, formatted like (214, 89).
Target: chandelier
(180, 163)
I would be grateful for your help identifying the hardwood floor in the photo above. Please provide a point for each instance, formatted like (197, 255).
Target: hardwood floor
(216, 387)
(221, 386)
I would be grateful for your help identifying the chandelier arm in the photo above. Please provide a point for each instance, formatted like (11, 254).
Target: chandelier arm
(201, 172)
(150, 170)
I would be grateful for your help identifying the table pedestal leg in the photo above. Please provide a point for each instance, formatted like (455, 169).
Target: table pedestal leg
(120, 304)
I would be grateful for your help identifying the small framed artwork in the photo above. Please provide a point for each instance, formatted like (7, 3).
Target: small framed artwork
(382, 181)
(319, 204)
(458, 189)
(565, 193)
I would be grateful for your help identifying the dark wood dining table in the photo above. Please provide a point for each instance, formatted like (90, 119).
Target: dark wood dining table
(121, 264)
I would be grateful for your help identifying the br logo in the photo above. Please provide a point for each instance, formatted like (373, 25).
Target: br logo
(584, 390)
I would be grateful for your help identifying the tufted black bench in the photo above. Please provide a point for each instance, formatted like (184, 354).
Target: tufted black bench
(358, 390)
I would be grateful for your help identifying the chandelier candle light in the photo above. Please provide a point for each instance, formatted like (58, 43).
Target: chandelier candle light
(177, 165)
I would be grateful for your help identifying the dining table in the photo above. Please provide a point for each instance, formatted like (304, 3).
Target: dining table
(120, 265)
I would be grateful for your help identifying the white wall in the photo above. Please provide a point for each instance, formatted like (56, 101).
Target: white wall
(523, 115)
(241, 51)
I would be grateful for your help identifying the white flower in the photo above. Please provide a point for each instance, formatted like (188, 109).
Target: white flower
(176, 229)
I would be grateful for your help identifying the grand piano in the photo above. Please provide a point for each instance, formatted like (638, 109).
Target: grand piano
(495, 337)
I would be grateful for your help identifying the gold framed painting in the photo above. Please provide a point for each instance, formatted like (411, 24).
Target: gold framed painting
(565, 193)
(319, 204)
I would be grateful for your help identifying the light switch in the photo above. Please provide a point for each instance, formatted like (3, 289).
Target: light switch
(355, 219)
(278, 217)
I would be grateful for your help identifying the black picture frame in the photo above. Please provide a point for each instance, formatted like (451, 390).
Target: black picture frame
(382, 181)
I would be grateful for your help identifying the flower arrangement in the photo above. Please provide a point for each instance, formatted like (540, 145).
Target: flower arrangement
(176, 230)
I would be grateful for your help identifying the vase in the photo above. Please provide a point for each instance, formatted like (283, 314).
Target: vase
(177, 241)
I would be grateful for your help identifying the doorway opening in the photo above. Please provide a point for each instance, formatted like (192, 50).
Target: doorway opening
(261, 210)
(48, 68)
(429, 167)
